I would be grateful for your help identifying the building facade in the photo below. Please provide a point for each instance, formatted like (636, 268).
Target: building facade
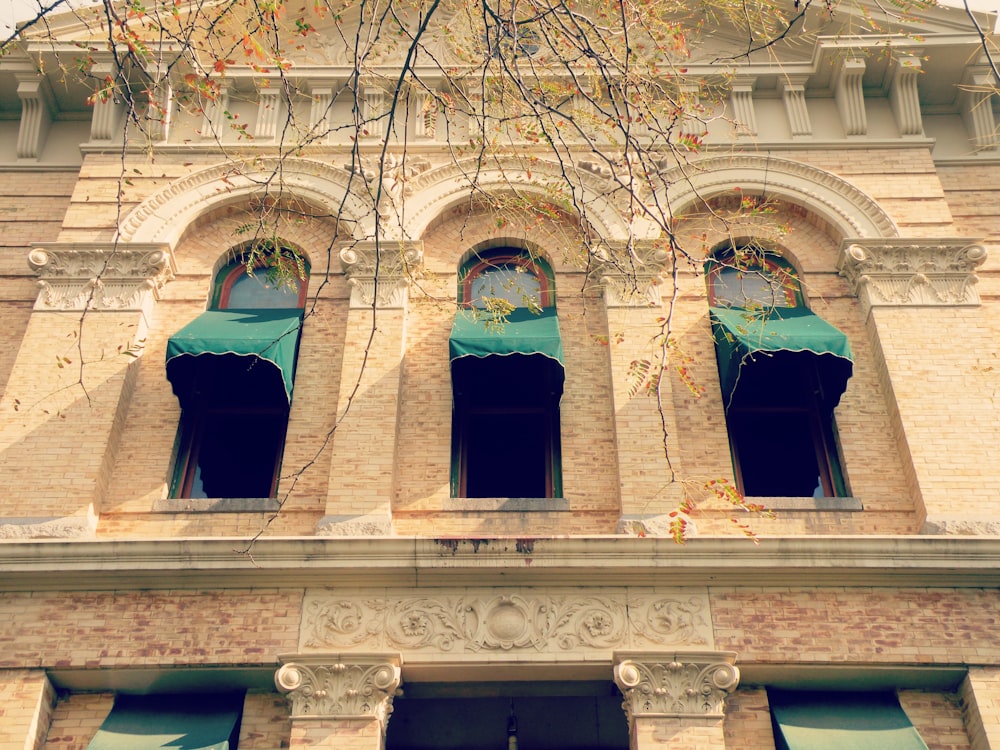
(364, 509)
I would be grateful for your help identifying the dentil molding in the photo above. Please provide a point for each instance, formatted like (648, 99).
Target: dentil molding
(339, 686)
(917, 273)
(85, 276)
(683, 684)
(516, 624)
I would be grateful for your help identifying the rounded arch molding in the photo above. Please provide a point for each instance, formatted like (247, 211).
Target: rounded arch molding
(851, 211)
(433, 192)
(164, 216)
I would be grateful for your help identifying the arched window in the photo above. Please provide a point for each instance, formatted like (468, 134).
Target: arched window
(507, 377)
(233, 369)
(782, 370)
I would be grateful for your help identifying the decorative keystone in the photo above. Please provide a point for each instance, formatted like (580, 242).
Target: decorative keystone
(380, 272)
(681, 684)
(99, 276)
(918, 273)
(630, 275)
(340, 686)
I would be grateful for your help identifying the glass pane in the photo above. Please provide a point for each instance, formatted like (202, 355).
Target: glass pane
(510, 282)
(777, 454)
(733, 287)
(254, 292)
(237, 454)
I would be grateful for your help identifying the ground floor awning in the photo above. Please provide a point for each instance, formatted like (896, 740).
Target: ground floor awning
(841, 721)
(476, 333)
(746, 336)
(265, 341)
(171, 722)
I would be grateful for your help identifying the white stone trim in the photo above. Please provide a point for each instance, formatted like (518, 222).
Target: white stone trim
(847, 208)
(904, 97)
(380, 272)
(37, 106)
(850, 96)
(681, 685)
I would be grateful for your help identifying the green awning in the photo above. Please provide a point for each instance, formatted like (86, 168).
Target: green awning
(841, 721)
(476, 334)
(264, 342)
(745, 337)
(171, 722)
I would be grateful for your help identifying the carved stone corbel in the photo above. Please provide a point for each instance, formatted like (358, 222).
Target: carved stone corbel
(357, 687)
(680, 684)
(380, 272)
(630, 275)
(918, 273)
(89, 276)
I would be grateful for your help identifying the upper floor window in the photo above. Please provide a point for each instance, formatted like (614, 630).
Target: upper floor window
(748, 277)
(507, 378)
(233, 369)
(782, 370)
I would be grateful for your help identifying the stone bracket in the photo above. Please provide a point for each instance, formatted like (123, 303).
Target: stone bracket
(913, 272)
(340, 686)
(686, 684)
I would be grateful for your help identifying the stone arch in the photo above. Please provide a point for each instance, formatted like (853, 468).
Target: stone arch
(852, 212)
(164, 216)
(432, 193)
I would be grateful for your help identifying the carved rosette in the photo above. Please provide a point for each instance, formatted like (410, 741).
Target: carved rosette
(99, 277)
(917, 273)
(338, 686)
(380, 272)
(630, 274)
(692, 684)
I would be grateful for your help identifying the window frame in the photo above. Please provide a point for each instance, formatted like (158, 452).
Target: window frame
(490, 260)
(236, 270)
(743, 259)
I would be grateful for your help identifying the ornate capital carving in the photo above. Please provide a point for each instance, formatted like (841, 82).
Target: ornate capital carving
(380, 272)
(896, 273)
(99, 276)
(657, 684)
(630, 274)
(339, 686)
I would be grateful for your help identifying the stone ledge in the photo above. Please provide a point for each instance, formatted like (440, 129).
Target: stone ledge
(217, 505)
(507, 504)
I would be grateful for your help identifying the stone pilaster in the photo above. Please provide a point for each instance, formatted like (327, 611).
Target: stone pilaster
(36, 115)
(71, 383)
(676, 700)
(850, 96)
(159, 109)
(213, 122)
(339, 700)
(904, 97)
(741, 100)
(378, 274)
(107, 109)
(793, 94)
(975, 102)
(269, 111)
(323, 92)
(630, 277)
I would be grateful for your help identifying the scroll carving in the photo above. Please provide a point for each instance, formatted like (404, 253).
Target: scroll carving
(99, 277)
(359, 686)
(913, 273)
(680, 684)
(630, 275)
(380, 272)
(505, 622)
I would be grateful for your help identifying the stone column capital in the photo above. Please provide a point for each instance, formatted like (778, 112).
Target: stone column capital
(630, 273)
(932, 272)
(340, 686)
(99, 276)
(380, 271)
(681, 684)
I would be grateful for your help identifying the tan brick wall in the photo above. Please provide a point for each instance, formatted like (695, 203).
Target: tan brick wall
(26, 700)
(684, 733)
(76, 720)
(266, 724)
(331, 734)
(748, 720)
(938, 718)
(980, 700)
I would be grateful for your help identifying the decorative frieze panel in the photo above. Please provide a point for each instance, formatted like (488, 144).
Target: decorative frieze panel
(506, 622)
(339, 686)
(931, 272)
(380, 272)
(691, 684)
(99, 276)
(630, 274)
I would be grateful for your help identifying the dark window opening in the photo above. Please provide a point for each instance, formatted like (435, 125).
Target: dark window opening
(505, 432)
(781, 433)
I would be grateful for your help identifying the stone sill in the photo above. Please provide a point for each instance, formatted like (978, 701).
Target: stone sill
(217, 505)
(808, 503)
(507, 504)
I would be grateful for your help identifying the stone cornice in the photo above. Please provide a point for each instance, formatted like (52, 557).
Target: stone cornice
(101, 276)
(913, 272)
(957, 561)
